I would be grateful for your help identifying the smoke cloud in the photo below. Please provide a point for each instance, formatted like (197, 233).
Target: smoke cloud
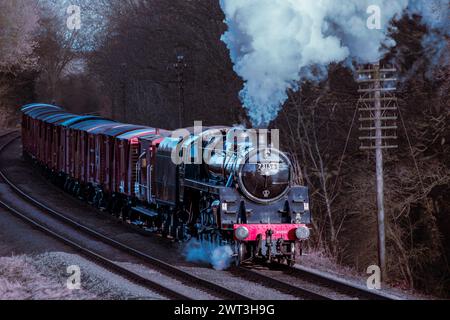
(275, 44)
(220, 257)
(436, 16)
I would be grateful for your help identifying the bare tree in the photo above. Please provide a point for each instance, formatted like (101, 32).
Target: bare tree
(18, 23)
(138, 63)
(59, 49)
(312, 142)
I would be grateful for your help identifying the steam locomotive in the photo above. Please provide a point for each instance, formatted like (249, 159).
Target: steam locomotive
(228, 186)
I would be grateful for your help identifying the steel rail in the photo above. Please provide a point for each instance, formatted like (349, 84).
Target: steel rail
(97, 258)
(338, 284)
(280, 285)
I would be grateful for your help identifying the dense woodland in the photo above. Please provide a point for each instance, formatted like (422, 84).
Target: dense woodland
(161, 63)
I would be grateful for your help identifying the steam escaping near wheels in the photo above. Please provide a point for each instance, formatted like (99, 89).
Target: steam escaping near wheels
(220, 257)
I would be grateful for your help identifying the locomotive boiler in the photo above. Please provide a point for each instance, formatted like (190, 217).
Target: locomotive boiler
(228, 186)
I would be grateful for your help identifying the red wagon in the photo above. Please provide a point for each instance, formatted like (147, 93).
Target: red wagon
(107, 141)
(35, 136)
(82, 158)
(126, 156)
(69, 143)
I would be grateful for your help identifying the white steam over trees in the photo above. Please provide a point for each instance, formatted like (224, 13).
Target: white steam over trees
(275, 44)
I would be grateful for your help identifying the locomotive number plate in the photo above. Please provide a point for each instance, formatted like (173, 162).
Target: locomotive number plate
(268, 169)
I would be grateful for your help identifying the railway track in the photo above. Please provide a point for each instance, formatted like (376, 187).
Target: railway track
(342, 286)
(8, 133)
(321, 284)
(275, 283)
(148, 261)
(259, 276)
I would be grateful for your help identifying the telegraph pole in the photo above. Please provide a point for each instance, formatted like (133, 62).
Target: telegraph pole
(379, 174)
(378, 116)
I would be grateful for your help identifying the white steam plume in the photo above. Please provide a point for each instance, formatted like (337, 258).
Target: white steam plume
(220, 257)
(274, 44)
(436, 16)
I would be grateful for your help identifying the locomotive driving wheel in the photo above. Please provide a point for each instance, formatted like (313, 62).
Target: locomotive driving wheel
(291, 259)
(240, 253)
